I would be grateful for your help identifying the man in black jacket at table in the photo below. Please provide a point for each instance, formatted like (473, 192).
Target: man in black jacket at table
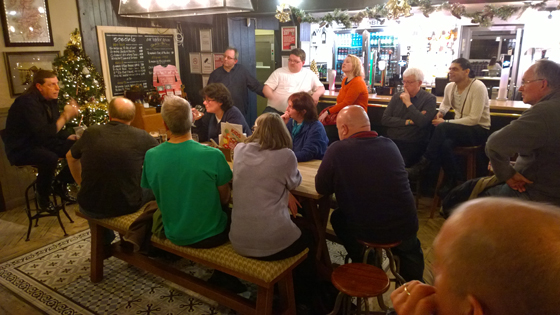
(35, 135)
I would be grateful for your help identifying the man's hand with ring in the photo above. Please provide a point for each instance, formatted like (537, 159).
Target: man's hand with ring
(414, 298)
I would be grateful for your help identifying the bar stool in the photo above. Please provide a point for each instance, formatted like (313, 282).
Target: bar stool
(470, 154)
(32, 190)
(394, 262)
(362, 281)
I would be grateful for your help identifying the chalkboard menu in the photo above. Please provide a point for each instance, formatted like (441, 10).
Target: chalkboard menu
(132, 58)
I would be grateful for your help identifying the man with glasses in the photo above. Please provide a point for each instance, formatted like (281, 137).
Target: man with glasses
(469, 99)
(286, 81)
(35, 135)
(535, 137)
(237, 79)
(408, 117)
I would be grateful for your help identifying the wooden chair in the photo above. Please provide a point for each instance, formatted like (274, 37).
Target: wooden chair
(470, 154)
(138, 120)
(362, 281)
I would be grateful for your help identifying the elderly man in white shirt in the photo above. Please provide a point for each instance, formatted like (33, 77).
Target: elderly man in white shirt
(286, 81)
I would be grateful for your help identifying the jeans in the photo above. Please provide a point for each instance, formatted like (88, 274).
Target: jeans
(409, 251)
(446, 137)
(503, 190)
(411, 151)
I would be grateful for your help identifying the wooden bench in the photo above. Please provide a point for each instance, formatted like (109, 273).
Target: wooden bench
(265, 274)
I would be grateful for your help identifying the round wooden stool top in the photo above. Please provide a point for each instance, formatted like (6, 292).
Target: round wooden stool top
(466, 150)
(380, 245)
(360, 280)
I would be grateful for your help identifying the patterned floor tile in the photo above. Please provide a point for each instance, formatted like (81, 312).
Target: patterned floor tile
(62, 270)
(92, 296)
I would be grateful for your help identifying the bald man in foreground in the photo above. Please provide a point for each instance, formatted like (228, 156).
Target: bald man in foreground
(107, 162)
(366, 173)
(493, 256)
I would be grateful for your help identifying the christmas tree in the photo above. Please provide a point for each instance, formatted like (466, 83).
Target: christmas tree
(79, 80)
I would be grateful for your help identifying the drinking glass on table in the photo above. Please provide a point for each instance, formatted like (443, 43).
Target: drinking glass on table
(195, 137)
(79, 130)
(163, 134)
(155, 134)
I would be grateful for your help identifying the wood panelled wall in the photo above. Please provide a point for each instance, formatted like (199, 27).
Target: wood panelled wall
(105, 13)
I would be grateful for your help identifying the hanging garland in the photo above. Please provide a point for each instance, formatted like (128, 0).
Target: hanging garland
(394, 9)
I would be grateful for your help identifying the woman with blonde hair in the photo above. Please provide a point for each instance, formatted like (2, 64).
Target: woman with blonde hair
(353, 91)
(264, 172)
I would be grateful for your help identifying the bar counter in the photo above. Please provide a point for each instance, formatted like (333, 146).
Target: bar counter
(501, 112)
(382, 100)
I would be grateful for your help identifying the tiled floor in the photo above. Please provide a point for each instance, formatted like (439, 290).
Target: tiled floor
(125, 290)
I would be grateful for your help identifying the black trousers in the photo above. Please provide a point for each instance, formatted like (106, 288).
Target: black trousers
(411, 151)
(446, 137)
(46, 160)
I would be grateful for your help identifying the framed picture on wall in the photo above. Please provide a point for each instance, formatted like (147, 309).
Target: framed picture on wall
(26, 23)
(207, 63)
(206, 40)
(196, 65)
(22, 66)
(289, 38)
(218, 60)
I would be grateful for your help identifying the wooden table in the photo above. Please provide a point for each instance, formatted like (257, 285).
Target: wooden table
(318, 216)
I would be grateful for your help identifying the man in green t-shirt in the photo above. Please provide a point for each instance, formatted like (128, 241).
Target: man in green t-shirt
(190, 182)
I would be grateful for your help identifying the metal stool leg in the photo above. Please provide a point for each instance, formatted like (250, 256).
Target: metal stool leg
(66, 213)
(381, 302)
(394, 268)
(28, 208)
(339, 298)
(60, 222)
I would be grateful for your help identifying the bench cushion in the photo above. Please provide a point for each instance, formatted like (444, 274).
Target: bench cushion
(223, 255)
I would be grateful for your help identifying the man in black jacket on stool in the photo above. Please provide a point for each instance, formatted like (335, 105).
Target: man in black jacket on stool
(34, 135)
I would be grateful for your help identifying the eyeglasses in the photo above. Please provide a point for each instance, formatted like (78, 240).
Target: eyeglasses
(409, 82)
(523, 82)
(208, 100)
(229, 58)
(294, 61)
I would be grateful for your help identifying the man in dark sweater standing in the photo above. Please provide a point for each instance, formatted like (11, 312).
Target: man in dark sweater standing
(366, 172)
(409, 117)
(34, 135)
(237, 79)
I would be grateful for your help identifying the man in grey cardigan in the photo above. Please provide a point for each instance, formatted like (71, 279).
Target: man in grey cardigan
(535, 137)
